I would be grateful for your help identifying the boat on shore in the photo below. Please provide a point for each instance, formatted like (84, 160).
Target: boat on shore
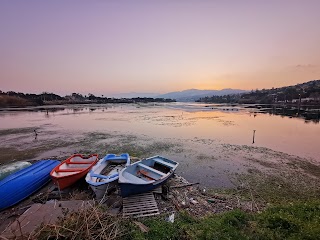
(10, 168)
(23, 183)
(104, 174)
(71, 170)
(146, 175)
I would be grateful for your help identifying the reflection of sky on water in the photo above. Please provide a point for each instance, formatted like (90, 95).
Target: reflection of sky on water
(229, 124)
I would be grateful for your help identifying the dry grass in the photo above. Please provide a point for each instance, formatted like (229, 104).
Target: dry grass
(12, 101)
(89, 223)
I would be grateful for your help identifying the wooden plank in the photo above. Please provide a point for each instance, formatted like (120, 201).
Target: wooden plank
(137, 207)
(144, 205)
(184, 185)
(147, 215)
(138, 197)
(140, 205)
(140, 209)
(151, 169)
(140, 212)
(139, 201)
(143, 214)
(162, 162)
(157, 190)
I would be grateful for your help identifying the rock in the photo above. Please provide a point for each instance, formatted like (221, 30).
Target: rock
(193, 201)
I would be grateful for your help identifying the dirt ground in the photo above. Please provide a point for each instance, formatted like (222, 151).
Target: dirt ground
(222, 178)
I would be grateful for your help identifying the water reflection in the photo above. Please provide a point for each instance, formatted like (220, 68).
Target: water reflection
(279, 128)
(309, 114)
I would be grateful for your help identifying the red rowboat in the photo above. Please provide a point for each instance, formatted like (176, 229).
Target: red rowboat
(72, 169)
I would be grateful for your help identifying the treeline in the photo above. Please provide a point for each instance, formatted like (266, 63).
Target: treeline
(18, 99)
(308, 92)
(232, 98)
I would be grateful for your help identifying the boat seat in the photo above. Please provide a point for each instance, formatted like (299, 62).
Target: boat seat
(134, 178)
(162, 162)
(79, 162)
(70, 170)
(151, 169)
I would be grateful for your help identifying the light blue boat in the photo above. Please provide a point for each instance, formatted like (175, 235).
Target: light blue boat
(10, 168)
(105, 173)
(23, 183)
(146, 175)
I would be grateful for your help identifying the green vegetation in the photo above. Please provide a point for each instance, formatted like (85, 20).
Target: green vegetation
(276, 189)
(294, 221)
(278, 198)
(308, 92)
(18, 99)
(25, 130)
(13, 101)
(9, 154)
(124, 144)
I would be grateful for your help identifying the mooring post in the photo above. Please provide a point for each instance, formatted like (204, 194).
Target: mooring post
(254, 132)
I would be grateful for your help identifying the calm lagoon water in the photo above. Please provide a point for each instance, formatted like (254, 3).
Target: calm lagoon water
(199, 128)
(233, 125)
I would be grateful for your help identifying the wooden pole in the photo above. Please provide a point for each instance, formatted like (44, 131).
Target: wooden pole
(184, 185)
(254, 133)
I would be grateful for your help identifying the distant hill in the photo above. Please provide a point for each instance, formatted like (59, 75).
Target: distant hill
(133, 95)
(304, 92)
(192, 95)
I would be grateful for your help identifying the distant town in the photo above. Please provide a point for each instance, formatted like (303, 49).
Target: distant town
(304, 93)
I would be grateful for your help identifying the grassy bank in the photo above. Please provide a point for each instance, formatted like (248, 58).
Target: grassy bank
(295, 221)
(13, 101)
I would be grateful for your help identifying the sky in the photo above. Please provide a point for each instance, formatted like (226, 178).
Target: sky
(106, 47)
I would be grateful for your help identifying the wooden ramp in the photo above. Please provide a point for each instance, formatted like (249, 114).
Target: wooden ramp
(140, 205)
(48, 213)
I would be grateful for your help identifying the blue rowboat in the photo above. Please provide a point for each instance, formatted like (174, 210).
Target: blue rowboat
(146, 175)
(104, 175)
(23, 183)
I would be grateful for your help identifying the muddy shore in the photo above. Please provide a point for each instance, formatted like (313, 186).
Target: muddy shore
(244, 177)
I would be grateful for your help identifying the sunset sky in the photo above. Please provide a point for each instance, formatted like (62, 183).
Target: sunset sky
(105, 47)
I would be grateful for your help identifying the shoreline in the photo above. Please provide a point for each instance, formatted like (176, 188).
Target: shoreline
(261, 177)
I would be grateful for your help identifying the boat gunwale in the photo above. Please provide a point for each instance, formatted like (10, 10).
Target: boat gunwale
(107, 160)
(26, 171)
(124, 180)
(75, 172)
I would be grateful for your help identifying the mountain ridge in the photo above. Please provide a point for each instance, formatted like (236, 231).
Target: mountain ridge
(194, 94)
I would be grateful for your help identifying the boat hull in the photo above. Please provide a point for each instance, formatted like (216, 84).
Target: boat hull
(105, 173)
(127, 189)
(100, 191)
(8, 169)
(145, 175)
(71, 170)
(64, 182)
(23, 183)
